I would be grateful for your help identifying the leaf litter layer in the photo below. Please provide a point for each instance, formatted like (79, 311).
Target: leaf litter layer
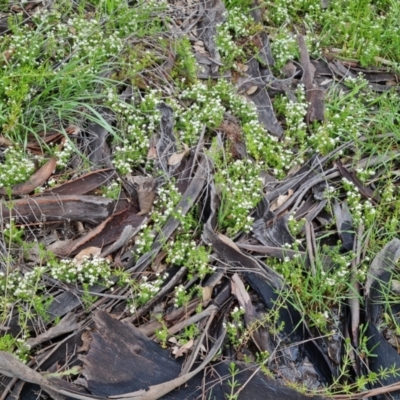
(200, 196)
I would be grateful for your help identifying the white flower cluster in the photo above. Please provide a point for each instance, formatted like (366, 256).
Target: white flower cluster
(146, 290)
(184, 251)
(236, 26)
(181, 297)
(234, 328)
(344, 122)
(361, 212)
(17, 285)
(17, 167)
(355, 81)
(207, 109)
(241, 189)
(168, 198)
(64, 155)
(137, 124)
(284, 47)
(113, 190)
(88, 271)
(24, 44)
(144, 240)
(364, 174)
(295, 113)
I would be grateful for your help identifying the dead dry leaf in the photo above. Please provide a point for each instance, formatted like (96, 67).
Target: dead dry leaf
(207, 293)
(281, 200)
(200, 49)
(228, 241)
(4, 141)
(180, 351)
(176, 158)
(87, 253)
(146, 192)
(152, 153)
(251, 90)
(73, 130)
(242, 67)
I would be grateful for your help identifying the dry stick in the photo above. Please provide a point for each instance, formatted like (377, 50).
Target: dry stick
(311, 246)
(200, 143)
(193, 319)
(354, 300)
(307, 186)
(369, 393)
(196, 350)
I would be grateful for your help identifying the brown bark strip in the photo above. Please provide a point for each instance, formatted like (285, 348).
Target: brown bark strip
(314, 95)
(91, 209)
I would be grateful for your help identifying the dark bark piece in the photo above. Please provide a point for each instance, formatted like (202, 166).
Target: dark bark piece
(99, 149)
(36, 147)
(4, 28)
(91, 209)
(260, 335)
(344, 224)
(261, 99)
(379, 77)
(321, 68)
(275, 234)
(84, 184)
(314, 95)
(266, 113)
(312, 168)
(105, 233)
(267, 284)
(67, 324)
(339, 69)
(36, 180)
(364, 190)
(386, 358)
(378, 279)
(378, 282)
(166, 144)
(62, 305)
(265, 54)
(15, 368)
(121, 360)
(383, 88)
(207, 29)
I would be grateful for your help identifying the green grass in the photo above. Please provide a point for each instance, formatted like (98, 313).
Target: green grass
(74, 61)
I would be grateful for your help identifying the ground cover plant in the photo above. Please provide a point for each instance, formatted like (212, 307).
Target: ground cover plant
(220, 177)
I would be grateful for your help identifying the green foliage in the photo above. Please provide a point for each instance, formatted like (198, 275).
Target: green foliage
(184, 252)
(113, 190)
(239, 184)
(234, 328)
(162, 334)
(339, 26)
(185, 66)
(232, 382)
